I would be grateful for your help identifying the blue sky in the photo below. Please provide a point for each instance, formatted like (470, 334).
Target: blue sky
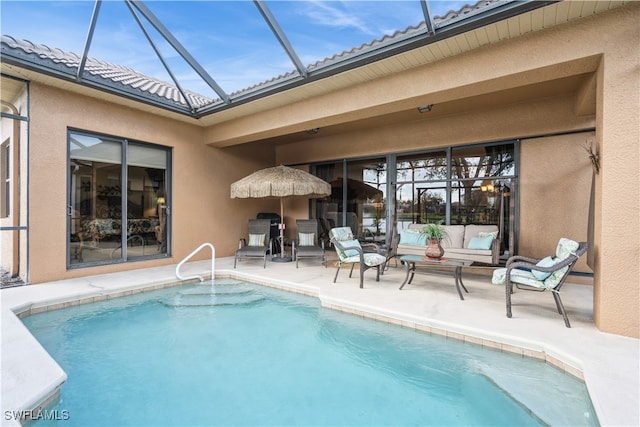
(229, 38)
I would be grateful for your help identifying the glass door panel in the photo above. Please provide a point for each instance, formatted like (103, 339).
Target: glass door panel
(146, 223)
(95, 199)
(328, 211)
(421, 188)
(366, 199)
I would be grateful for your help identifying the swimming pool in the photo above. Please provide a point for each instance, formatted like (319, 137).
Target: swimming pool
(233, 353)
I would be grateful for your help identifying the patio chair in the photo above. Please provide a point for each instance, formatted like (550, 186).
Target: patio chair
(306, 243)
(351, 252)
(259, 242)
(540, 275)
(390, 251)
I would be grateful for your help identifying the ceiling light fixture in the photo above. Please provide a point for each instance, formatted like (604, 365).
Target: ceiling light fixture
(425, 108)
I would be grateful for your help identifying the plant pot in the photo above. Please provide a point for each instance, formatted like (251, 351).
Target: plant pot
(434, 250)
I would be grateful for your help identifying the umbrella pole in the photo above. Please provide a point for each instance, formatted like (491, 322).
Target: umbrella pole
(281, 228)
(282, 257)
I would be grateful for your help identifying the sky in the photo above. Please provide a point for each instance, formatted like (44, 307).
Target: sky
(230, 39)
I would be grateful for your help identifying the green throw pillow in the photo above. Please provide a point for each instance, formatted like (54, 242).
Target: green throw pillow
(483, 243)
(544, 262)
(256, 239)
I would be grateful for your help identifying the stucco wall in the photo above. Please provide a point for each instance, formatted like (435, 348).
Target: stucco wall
(201, 205)
(617, 269)
(554, 189)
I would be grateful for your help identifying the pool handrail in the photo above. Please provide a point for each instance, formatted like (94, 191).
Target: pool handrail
(188, 257)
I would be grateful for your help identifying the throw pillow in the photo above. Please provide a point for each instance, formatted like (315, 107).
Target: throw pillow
(350, 244)
(488, 233)
(307, 239)
(412, 237)
(544, 262)
(482, 243)
(256, 239)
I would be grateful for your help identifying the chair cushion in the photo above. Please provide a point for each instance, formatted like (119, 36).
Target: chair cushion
(544, 262)
(483, 243)
(565, 248)
(517, 276)
(256, 240)
(342, 233)
(307, 239)
(370, 259)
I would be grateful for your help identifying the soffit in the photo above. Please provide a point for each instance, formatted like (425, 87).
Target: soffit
(549, 16)
(543, 90)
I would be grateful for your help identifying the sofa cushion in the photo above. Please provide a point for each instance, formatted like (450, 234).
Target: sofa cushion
(464, 252)
(472, 231)
(454, 237)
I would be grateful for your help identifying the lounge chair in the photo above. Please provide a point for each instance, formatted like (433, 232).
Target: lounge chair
(540, 275)
(259, 242)
(351, 252)
(306, 243)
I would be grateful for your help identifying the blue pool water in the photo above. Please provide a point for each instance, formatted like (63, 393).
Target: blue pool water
(233, 353)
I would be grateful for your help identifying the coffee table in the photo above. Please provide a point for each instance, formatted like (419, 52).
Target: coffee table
(421, 265)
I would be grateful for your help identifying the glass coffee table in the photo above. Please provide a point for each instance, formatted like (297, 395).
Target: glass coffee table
(422, 265)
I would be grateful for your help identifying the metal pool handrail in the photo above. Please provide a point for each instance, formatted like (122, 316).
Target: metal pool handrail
(196, 276)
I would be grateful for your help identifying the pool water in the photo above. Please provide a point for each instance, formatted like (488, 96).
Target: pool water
(232, 353)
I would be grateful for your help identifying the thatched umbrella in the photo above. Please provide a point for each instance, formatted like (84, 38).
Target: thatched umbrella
(280, 181)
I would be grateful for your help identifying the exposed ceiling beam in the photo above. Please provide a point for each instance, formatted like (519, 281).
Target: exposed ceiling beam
(428, 17)
(281, 36)
(87, 44)
(160, 57)
(142, 8)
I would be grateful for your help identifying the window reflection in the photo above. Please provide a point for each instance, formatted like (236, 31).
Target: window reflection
(112, 220)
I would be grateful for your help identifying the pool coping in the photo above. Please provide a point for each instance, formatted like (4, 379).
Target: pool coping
(28, 389)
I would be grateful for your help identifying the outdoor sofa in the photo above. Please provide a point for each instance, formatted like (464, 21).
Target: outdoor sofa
(478, 243)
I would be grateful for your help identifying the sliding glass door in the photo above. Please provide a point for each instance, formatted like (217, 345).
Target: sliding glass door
(118, 199)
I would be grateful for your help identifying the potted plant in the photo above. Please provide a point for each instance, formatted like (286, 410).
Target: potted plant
(434, 232)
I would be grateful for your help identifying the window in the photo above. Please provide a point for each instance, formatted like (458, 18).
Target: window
(118, 200)
(472, 184)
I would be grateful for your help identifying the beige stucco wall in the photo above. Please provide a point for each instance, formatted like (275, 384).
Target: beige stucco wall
(554, 188)
(201, 204)
(617, 269)
(604, 45)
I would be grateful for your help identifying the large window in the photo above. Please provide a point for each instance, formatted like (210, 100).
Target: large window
(358, 190)
(118, 200)
(461, 185)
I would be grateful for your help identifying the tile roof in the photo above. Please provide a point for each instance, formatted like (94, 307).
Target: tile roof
(128, 82)
(111, 73)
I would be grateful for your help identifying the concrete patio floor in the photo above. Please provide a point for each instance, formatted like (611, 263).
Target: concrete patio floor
(609, 364)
